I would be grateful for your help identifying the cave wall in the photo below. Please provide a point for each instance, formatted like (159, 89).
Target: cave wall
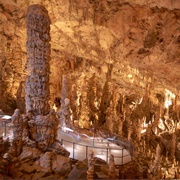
(121, 60)
(126, 48)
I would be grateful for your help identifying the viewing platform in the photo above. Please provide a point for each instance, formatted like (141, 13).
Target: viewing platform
(80, 144)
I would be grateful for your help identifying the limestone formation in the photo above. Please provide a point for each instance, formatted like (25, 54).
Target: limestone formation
(157, 161)
(1, 144)
(15, 149)
(46, 130)
(34, 146)
(112, 169)
(38, 56)
(121, 60)
(85, 111)
(73, 98)
(64, 111)
(91, 163)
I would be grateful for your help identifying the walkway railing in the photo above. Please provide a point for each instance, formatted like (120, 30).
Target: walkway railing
(3, 126)
(81, 151)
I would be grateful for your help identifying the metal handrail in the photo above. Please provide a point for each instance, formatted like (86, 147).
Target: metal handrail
(108, 149)
(88, 147)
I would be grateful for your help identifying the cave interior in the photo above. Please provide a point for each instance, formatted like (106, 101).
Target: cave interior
(103, 68)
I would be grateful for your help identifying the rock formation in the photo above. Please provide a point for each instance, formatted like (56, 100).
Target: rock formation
(38, 56)
(91, 163)
(64, 111)
(112, 169)
(121, 59)
(35, 152)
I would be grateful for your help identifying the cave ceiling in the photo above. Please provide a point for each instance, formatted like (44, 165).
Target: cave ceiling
(133, 45)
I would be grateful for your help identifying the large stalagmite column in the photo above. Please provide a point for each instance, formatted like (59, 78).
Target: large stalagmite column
(38, 56)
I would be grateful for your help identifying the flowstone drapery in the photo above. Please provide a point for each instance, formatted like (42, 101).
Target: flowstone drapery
(38, 55)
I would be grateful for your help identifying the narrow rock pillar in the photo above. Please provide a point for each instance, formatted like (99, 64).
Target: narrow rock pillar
(64, 112)
(38, 56)
(64, 88)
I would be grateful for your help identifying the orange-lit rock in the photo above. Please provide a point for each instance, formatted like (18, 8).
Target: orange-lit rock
(121, 60)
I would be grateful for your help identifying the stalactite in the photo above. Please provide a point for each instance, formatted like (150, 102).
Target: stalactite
(105, 102)
(72, 63)
(120, 126)
(123, 107)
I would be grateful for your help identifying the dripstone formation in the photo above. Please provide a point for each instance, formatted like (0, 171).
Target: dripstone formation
(38, 56)
(64, 111)
(35, 152)
(43, 126)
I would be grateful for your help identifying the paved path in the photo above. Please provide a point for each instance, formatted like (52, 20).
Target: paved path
(79, 146)
(102, 148)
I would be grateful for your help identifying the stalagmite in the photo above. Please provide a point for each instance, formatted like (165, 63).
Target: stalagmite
(38, 56)
(74, 104)
(64, 88)
(119, 68)
(173, 146)
(84, 118)
(157, 160)
(90, 171)
(130, 131)
(64, 111)
(112, 170)
(15, 149)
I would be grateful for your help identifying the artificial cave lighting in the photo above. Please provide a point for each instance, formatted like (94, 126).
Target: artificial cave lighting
(89, 89)
(55, 108)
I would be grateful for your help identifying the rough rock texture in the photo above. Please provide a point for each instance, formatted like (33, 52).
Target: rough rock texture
(33, 163)
(44, 130)
(16, 147)
(38, 56)
(34, 146)
(121, 59)
(140, 41)
(64, 111)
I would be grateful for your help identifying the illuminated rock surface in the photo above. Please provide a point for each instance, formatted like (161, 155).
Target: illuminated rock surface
(122, 63)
